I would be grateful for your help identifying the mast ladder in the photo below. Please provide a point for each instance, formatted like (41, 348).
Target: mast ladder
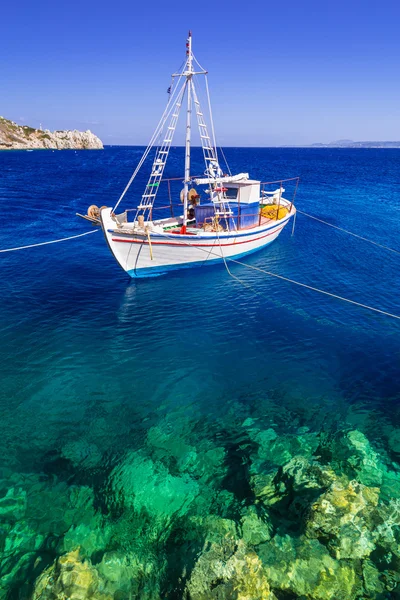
(160, 159)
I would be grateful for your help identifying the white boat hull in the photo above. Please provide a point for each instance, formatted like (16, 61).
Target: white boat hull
(147, 255)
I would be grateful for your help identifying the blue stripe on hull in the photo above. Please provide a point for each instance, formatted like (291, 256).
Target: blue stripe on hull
(157, 271)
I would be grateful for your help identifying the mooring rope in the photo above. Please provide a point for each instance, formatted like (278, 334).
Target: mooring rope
(71, 237)
(349, 232)
(299, 283)
(310, 287)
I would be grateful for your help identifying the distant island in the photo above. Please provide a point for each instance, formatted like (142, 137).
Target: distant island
(352, 144)
(22, 137)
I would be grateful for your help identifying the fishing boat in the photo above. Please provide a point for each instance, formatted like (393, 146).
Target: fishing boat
(215, 217)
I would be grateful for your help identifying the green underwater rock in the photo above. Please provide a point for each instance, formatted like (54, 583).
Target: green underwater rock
(16, 570)
(53, 506)
(254, 529)
(232, 572)
(305, 569)
(82, 453)
(20, 549)
(13, 504)
(394, 441)
(274, 450)
(22, 538)
(36, 514)
(387, 532)
(368, 464)
(297, 484)
(70, 578)
(89, 539)
(344, 516)
(125, 575)
(144, 485)
(373, 581)
(205, 462)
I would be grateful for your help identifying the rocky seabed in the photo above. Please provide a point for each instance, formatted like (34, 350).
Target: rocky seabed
(276, 516)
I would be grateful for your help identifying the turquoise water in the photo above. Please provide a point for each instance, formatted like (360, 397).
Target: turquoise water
(182, 436)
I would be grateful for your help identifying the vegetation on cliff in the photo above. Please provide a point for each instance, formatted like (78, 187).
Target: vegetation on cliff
(22, 137)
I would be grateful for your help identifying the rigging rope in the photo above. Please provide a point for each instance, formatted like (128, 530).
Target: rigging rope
(226, 162)
(156, 133)
(349, 232)
(211, 118)
(71, 237)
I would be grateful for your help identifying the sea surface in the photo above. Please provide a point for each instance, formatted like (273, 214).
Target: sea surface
(192, 435)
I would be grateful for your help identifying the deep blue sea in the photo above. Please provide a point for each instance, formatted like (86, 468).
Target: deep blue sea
(137, 418)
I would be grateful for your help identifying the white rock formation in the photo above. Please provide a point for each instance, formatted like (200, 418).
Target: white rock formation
(22, 137)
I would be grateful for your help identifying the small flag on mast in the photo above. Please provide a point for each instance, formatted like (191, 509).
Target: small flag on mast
(169, 90)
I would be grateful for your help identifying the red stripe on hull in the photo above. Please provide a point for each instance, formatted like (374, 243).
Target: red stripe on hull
(217, 243)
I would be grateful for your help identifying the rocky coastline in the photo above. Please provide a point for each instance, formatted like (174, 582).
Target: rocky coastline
(22, 137)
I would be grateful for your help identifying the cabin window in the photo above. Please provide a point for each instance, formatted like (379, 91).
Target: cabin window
(232, 193)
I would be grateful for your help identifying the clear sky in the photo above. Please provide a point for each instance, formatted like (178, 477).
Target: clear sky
(287, 72)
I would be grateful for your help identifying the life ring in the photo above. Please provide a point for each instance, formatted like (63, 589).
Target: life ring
(214, 170)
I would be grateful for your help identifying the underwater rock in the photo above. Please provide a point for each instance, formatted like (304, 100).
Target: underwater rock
(82, 454)
(390, 487)
(20, 548)
(70, 578)
(15, 570)
(205, 462)
(144, 485)
(13, 505)
(210, 466)
(117, 568)
(88, 538)
(343, 516)
(302, 473)
(22, 538)
(305, 569)
(217, 530)
(19, 555)
(235, 573)
(164, 442)
(267, 488)
(54, 506)
(127, 575)
(299, 481)
(254, 529)
(372, 580)
(368, 464)
(387, 530)
(275, 450)
(353, 454)
(394, 441)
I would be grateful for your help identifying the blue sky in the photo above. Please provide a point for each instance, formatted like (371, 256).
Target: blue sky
(280, 72)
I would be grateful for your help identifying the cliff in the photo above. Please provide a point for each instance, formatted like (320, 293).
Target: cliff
(22, 137)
